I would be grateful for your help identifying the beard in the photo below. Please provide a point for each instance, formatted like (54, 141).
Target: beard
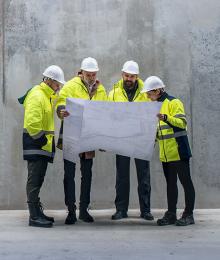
(129, 84)
(89, 82)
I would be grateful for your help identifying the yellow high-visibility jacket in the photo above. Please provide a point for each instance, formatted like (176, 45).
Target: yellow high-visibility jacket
(75, 88)
(38, 132)
(172, 134)
(118, 93)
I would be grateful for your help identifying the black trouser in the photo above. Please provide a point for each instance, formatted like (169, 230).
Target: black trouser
(69, 182)
(182, 170)
(123, 183)
(36, 173)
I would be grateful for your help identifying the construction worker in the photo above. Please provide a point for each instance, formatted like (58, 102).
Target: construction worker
(174, 151)
(128, 89)
(38, 139)
(84, 86)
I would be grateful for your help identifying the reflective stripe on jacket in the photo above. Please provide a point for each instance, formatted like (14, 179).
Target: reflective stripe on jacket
(118, 93)
(75, 88)
(172, 134)
(38, 132)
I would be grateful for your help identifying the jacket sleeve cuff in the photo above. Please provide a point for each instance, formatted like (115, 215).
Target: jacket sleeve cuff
(166, 120)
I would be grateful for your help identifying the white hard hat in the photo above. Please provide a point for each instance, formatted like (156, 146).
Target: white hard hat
(89, 64)
(152, 83)
(131, 67)
(55, 72)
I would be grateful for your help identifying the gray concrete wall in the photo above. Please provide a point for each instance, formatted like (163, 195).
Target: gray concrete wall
(177, 40)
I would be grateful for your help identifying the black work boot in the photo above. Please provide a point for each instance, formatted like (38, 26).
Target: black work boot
(35, 219)
(71, 217)
(119, 214)
(185, 220)
(169, 218)
(147, 216)
(41, 213)
(85, 216)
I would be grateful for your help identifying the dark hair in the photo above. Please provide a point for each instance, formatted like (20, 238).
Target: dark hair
(79, 73)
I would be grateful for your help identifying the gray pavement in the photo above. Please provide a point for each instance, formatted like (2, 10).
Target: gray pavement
(131, 238)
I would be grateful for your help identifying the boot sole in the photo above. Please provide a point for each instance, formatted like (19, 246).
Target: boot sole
(70, 223)
(40, 225)
(166, 224)
(119, 218)
(183, 225)
(149, 219)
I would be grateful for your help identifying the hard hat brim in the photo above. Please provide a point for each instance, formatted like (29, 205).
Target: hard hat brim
(130, 72)
(90, 70)
(144, 90)
(62, 82)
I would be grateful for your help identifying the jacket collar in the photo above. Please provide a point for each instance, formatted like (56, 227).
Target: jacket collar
(78, 80)
(162, 97)
(47, 90)
(139, 84)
